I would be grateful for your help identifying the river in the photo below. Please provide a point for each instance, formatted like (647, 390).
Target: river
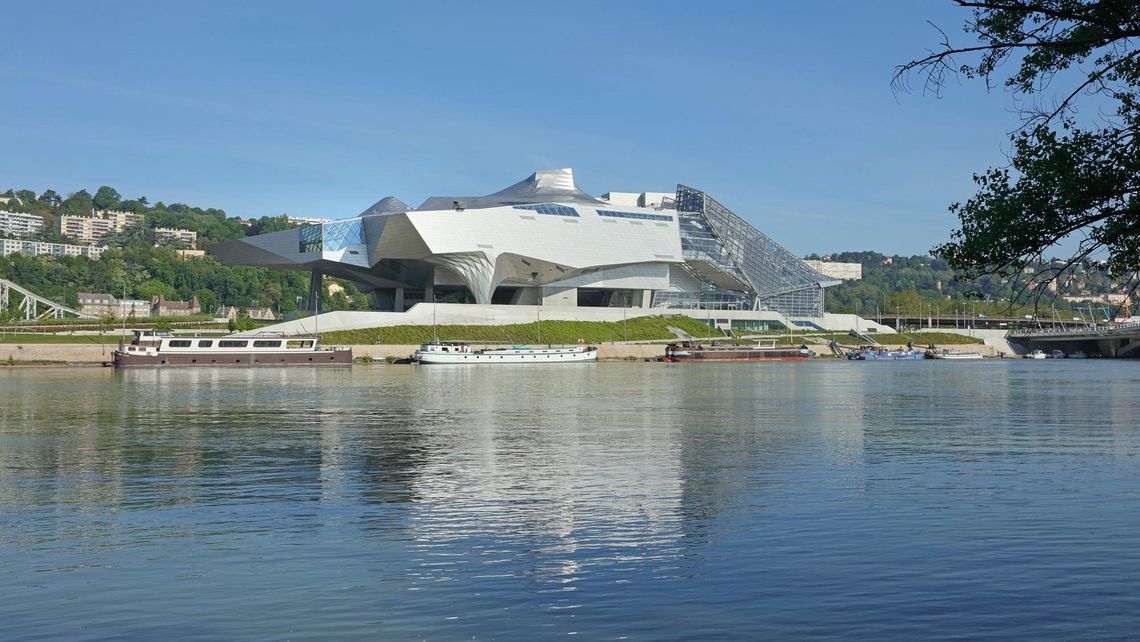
(862, 500)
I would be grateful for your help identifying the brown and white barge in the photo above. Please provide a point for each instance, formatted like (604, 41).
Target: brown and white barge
(695, 351)
(157, 349)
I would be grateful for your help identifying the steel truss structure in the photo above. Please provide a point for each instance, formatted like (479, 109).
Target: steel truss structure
(734, 258)
(32, 306)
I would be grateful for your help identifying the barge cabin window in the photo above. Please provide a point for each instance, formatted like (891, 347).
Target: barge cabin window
(266, 344)
(232, 344)
(179, 343)
(206, 343)
(299, 344)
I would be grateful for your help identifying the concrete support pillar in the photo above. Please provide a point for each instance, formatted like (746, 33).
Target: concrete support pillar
(398, 300)
(646, 298)
(429, 294)
(316, 282)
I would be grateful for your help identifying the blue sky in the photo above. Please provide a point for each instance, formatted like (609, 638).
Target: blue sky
(781, 110)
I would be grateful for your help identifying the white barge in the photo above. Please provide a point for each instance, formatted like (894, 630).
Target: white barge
(459, 352)
(154, 348)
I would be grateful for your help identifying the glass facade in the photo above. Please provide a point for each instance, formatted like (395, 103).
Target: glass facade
(549, 209)
(310, 239)
(341, 234)
(330, 237)
(635, 215)
(772, 277)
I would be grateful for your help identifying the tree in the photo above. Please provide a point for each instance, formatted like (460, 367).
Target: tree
(242, 323)
(1070, 177)
(106, 198)
(267, 224)
(78, 204)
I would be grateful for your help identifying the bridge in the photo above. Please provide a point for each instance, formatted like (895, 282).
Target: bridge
(33, 306)
(1110, 340)
(964, 322)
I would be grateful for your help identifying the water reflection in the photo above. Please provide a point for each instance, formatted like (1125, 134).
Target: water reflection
(556, 490)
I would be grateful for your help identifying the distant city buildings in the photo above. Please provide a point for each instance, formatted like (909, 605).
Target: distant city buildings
(307, 220)
(1114, 298)
(175, 235)
(160, 307)
(101, 304)
(190, 254)
(89, 229)
(835, 270)
(40, 248)
(18, 224)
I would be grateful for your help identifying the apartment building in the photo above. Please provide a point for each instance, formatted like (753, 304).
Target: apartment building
(40, 248)
(175, 235)
(18, 224)
(88, 229)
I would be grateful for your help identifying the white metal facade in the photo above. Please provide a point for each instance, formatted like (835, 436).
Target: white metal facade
(542, 239)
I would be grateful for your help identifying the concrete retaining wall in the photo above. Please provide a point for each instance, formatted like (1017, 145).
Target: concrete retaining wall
(425, 314)
(69, 353)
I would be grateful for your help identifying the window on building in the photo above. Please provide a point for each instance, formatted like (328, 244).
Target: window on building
(634, 215)
(550, 209)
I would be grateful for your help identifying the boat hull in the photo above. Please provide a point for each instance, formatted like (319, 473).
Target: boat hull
(232, 358)
(973, 356)
(702, 359)
(699, 354)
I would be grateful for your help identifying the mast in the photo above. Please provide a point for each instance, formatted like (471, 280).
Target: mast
(123, 336)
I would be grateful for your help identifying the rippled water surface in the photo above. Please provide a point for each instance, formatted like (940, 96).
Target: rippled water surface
(923, 500)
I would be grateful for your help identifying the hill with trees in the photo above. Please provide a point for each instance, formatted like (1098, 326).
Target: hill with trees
(136, 268)
(923, 284)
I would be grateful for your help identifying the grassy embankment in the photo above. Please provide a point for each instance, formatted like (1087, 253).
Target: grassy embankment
(635, 329)
(59, 337)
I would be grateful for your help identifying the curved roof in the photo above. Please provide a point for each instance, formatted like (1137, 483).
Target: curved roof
(387, 205)
(543, 186)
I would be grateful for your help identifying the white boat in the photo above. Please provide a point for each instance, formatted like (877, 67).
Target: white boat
(160, 349)
(955, 355)
(436, 352)
(1036, 354)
